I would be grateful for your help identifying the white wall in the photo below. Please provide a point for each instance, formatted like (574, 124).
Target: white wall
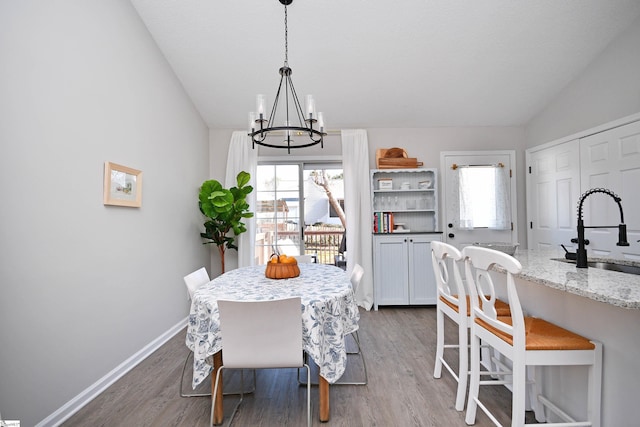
(84, 286)
(608, 89)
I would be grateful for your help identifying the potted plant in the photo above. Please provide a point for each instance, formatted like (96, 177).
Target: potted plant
(224, 209)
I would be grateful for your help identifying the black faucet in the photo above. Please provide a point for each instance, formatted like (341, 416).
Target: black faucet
(581, 254)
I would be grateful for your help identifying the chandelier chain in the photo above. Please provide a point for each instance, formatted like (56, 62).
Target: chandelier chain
(286, 38)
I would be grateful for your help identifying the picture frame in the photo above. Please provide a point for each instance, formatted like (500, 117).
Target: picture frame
(122, 186)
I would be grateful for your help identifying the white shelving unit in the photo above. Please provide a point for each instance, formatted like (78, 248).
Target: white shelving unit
(403, 272)
(412, 198)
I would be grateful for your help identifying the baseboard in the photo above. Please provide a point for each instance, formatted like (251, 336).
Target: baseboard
(91, 392)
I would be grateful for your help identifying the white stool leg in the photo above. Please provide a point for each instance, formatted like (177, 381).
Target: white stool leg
(463, 366)
(437, 370)
(474, 386)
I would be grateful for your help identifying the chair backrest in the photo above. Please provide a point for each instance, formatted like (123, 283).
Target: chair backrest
(261, 334)
(356, 276)
(195, 280)
(478, 263)
(443, 256)
(304, 258)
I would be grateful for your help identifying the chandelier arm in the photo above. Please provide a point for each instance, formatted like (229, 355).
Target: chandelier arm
(296, 100)
(272, 116)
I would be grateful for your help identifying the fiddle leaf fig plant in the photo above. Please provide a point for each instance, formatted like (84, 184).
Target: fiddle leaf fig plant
(225, 209)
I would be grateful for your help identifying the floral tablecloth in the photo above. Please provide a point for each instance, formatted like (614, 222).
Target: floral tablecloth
(329, 313)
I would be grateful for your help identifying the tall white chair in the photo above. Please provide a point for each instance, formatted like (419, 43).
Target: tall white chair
(525, 341)
(261, 335)
(452, 302)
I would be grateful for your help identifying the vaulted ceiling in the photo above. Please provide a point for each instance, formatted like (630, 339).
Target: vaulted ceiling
(381, 63)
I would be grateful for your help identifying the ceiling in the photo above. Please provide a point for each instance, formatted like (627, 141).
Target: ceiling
(380, 63)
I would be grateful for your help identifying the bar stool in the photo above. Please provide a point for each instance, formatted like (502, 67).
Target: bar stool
(453, 302)
(526, 341)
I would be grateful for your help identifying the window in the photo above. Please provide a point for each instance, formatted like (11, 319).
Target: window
(484, 197)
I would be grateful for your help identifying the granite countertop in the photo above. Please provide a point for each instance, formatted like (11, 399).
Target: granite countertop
(611, 287)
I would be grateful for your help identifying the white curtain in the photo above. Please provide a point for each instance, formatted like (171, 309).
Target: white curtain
(242, 157)
(355, 163)
(503, 200)
(465, 180)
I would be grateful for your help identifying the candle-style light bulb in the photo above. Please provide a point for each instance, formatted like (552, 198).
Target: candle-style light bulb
(321, 121)
(252, 122)
(311, 107)
(261, 101)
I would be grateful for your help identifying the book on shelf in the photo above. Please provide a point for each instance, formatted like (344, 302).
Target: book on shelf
(383, 222)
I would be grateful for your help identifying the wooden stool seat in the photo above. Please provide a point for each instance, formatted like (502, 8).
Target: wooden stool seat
(542, 335)
(502, 308)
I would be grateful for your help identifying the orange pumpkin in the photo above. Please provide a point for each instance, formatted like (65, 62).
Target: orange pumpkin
(282, 267)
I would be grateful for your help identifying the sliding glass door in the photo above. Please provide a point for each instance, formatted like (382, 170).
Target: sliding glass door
(300, 210)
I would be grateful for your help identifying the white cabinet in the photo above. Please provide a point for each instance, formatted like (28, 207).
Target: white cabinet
(405, 205)
(408, 196)
(403, 272)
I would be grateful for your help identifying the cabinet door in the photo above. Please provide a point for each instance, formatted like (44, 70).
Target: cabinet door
(390, 266)
(422, 284)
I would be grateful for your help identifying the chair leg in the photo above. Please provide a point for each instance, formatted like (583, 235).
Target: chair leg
(518, 394)
(215, 394)
(232, 393)
(474, 386)
(463, 366)
(595, 386)
(364, 367)
(184, 368)
(308, 395)
(437, 369)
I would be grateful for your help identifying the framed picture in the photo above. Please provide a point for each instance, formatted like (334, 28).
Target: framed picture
(122, 185)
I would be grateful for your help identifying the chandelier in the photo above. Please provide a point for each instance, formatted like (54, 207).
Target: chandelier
(306, 124)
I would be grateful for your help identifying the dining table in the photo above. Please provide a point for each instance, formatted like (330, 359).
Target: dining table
(328, 309)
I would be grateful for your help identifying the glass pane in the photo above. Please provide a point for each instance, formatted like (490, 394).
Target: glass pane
(277, 212)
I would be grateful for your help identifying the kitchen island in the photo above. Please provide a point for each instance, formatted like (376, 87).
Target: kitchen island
(598, 304)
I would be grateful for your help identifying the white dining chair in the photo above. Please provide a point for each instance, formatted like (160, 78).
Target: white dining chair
(526, 342)
(308, 259)
(270, 337)
(193, 282)
(356, 277)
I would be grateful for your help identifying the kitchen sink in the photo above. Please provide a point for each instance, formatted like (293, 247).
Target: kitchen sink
(622, 268)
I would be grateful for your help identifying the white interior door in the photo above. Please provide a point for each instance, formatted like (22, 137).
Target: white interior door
(454, 232)
(611, 160)
(553, 189)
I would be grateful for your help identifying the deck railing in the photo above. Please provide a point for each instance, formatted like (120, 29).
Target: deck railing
(321, 241)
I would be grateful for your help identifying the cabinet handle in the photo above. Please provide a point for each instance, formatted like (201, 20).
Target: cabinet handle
(451, 235)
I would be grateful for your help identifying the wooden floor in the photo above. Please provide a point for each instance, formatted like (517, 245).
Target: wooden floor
(399, 347)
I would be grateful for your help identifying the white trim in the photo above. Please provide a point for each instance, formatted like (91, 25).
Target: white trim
(87, 395)
(587, 132)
